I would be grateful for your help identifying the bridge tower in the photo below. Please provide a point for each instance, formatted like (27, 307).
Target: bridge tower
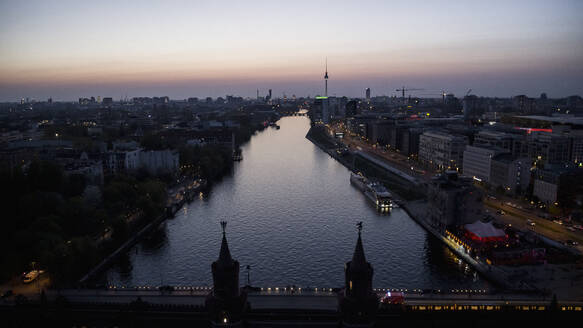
(226, 303)
(358, 303)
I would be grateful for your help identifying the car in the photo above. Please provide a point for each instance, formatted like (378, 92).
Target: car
(558, 222)
(31, 276)
(571, 243)
(530, 222)
(501, 212)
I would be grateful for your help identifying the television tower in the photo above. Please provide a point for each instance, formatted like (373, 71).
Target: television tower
(326, 79)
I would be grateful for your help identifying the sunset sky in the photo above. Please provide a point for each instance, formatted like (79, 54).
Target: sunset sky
(68, 49)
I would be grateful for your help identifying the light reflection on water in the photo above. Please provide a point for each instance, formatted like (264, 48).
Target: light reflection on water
(291, 215)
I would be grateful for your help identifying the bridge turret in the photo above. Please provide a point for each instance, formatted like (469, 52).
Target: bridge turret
(358, 303)
(226, 303)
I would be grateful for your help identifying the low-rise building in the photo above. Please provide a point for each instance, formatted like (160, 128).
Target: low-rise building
(160, 161)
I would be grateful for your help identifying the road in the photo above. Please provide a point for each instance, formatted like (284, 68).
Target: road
(262, 300)
(518, 218)
(400, 161)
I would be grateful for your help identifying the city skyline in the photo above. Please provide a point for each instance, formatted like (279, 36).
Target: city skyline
(67, 50)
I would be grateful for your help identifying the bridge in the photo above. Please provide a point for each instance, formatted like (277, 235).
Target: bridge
(289, 297)
(271, 307)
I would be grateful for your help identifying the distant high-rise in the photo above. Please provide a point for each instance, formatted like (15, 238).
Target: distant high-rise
(326, 80)
(325, 105)
(367, 94)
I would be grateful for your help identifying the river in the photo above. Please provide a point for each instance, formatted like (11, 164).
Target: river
(292, 217)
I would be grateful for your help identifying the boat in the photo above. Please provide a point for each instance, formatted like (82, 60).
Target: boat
(379, 195)
(359, 181)
(374, 191)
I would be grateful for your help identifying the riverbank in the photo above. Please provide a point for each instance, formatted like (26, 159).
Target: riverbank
(176, 201)
(402, 185)
(416, 210)
(564, 280)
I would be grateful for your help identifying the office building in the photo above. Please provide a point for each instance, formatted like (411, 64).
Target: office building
(453, 201)
(477, 162)
(549, 148)
(442, 150)
(512, 174)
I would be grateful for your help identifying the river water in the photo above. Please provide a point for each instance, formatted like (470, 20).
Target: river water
(291, 215)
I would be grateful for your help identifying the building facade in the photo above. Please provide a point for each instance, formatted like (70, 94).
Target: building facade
(510, 173)
(441, 150)
(453, 201)
(477, 162)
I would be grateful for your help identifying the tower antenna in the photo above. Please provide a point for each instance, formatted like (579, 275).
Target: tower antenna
(326, 79)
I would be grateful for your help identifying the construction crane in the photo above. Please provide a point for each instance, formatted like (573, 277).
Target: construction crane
(441, 93)
(403, 89)
(468, 93)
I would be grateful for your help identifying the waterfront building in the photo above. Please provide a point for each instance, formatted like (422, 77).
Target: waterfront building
(453, 201)
(159, 161)
(154, 161)
(484, 233)
(358, 303)
(442, 150)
